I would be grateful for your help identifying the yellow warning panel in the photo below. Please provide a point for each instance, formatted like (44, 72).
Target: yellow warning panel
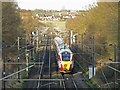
(66, 65)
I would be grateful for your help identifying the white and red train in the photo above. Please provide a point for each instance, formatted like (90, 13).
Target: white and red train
(65, 56)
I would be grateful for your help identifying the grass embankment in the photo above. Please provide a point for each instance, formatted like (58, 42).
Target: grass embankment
(99, 80)
(85, 74)
(60, 24)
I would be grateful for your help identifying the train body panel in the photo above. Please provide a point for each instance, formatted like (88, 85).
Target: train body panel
(65, 56)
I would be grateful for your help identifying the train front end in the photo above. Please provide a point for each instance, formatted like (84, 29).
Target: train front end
(65, 62)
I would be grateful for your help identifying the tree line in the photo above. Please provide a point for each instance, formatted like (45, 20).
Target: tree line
(101, 22)
(10, 22)
(17, 22)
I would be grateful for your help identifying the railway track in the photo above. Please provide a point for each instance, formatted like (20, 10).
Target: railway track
(41, 56)
(69, 81)
(75, 84)
(63, 83)
(41, 73)
(48, 75)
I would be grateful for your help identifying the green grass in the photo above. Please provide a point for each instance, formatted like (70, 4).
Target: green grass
(20, 85)
(89, 82)
(24, 74)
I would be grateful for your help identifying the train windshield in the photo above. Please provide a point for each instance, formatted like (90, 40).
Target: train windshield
(65, 56)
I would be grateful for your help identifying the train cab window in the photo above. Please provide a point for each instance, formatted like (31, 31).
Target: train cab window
(65, 56)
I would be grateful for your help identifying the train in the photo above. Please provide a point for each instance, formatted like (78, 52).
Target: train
(65, 56)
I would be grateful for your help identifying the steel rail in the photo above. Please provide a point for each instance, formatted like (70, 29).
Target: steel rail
(74, 82)
(104, 77)
(42, 66)
(49, 62)
(40, 72)
(39, 65)
(63, 81)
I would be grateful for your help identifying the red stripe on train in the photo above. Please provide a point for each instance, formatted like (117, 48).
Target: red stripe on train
(59, 57)
(61, 68)
(70, 67)
(72, 58)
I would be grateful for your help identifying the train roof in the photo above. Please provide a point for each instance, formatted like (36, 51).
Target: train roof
(59, 40)
(61, 45)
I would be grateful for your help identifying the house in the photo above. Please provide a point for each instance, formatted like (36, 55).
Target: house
(66, 16)
(41, 16)
(61, 16)
(73, 15)
(56, 17)
(49, 17)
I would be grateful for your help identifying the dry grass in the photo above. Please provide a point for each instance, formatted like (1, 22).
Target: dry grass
(60, 24)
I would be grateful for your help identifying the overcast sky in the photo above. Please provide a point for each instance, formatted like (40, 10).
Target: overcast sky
(55, 4)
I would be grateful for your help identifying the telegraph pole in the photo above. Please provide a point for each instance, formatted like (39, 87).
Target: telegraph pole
(33, 44)
(18, 43)
(69, 38)
(18, 56)
(115, 54)
(76, 39)
(93, 54)
(82, 44)
(37, 39)
(82, 41)
(27, 60)
(76, 45)
(3, 66)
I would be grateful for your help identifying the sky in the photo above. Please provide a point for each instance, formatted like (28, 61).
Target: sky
(56, 4)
